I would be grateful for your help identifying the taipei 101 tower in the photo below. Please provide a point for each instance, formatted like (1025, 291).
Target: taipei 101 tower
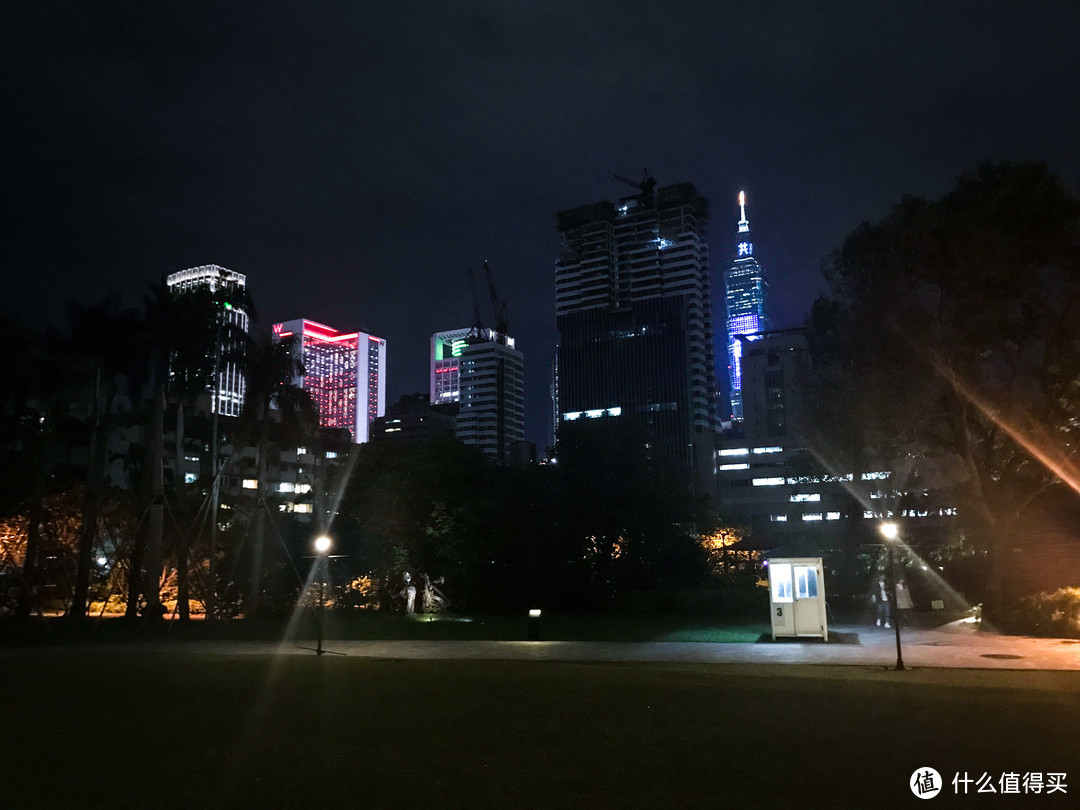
(747, 297)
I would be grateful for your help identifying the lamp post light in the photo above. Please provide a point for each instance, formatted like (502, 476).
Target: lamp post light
(322, 548)
(890, 531)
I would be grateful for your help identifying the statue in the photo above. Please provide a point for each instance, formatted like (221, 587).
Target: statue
(435, 601)
(409, 592)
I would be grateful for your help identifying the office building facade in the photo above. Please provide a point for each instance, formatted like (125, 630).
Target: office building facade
(746, 295)
(227, 396)
(445, 367)
(481, 370)
(633, 311)
(345, 373)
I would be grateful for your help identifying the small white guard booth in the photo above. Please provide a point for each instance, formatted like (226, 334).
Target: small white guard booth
(797, 598)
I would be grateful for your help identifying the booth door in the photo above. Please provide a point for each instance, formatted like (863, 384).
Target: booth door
(806, 610)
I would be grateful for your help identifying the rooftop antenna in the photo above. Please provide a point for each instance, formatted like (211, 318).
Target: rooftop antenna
(744, 225)
(645, 187)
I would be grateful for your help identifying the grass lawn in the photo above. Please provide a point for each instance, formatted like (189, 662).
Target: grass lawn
(384, 626)
(182, 729)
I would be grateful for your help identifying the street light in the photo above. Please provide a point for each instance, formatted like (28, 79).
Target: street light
(890, 531)
(322, 548)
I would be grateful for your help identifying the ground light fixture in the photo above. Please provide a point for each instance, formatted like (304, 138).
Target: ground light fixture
(891, 532)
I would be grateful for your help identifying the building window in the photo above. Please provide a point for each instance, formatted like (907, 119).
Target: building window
(768, 482)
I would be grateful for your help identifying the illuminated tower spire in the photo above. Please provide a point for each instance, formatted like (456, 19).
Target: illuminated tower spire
(746, 292)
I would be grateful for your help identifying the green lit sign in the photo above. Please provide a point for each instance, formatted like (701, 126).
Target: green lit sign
(456, 347)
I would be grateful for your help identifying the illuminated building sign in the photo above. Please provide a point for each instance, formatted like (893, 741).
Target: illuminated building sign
(746, 248)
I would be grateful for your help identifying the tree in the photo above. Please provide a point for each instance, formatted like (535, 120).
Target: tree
(102, 338)
(273, 406)
(948, 343)
(35, 429)
(184, 334)
(634, 511)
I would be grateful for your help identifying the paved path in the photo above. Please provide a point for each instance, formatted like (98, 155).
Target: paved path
(956, 646)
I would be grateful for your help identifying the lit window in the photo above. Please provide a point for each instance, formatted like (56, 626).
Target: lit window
(734, 451)
(874, 476)
(250, 483)
(285, 486)
(780, 578)
(302, 488)
(760, 450)
(301, 451)
(812, 516)
(571, 416)
(832, 515)
(191, 478)
(303, 508)
(767, 482)
(778, 518)
(331, 454)
(734, 466)
(805, 497)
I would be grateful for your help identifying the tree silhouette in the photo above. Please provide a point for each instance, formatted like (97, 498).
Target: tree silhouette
(949, 344)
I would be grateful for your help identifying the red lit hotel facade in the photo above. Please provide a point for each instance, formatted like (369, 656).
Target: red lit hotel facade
(345, 373)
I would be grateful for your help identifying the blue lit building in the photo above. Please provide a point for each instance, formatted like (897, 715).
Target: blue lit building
(747, 299)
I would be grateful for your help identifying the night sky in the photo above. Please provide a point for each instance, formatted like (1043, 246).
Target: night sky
(355, 159)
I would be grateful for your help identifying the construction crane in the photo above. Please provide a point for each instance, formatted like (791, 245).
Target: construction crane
(501, 324)
(645, 187)
(478, 325)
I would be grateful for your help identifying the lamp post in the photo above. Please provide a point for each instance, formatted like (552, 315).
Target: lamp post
(890, 531)
(322, 548)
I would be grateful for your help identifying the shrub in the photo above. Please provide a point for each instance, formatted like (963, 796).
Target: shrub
(1050, 613)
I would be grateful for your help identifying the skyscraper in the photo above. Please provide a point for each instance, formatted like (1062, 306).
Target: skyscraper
(345, 373)
(634, 320)
(228, 398)
(483, 371)
(446, 365)
(746, 295)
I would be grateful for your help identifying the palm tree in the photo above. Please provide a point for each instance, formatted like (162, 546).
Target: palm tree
(273, 406)
(33, 407)
(101, 339)
(187, 331)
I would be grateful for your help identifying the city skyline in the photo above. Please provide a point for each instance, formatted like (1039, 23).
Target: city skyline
(354, 163)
